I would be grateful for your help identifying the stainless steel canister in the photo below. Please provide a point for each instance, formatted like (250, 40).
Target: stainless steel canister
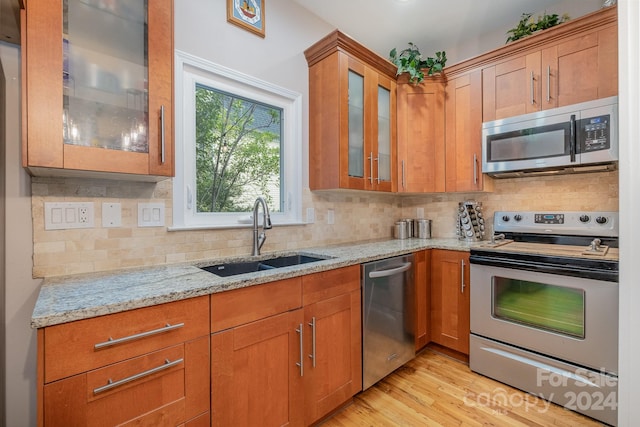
(400, 230)
(411, 232)
(423, 228)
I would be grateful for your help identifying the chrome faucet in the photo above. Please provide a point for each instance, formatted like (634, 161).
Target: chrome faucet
(259, 238)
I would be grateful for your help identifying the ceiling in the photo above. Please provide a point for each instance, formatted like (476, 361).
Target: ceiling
(384, 24)
(9, 21)
(432, 24)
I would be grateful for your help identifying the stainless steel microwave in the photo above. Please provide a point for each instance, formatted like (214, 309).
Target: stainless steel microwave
(576, 138)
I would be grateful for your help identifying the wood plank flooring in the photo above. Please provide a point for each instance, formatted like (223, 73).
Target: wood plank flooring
(436, 390)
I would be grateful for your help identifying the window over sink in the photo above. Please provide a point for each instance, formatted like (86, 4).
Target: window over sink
(237, 138)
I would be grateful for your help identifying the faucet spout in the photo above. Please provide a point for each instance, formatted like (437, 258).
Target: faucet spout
(260, 237)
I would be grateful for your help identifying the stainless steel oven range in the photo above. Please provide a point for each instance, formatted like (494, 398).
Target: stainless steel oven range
(544, 308)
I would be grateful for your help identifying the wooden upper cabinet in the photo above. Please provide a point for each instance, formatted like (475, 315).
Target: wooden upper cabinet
(352, 117)
(464, 133)
(421, 136)
(573, 62)
(98, 89)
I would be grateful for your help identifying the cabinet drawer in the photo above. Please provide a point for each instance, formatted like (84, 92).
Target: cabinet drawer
(143, 389)
(327, 284)
(75, 347)
(240, 306)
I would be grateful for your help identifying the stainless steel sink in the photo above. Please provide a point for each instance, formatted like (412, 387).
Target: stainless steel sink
(242, 267)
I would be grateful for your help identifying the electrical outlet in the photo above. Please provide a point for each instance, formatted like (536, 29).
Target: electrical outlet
(420, 213)
(150, 214)
(66, 215)
(311, 216)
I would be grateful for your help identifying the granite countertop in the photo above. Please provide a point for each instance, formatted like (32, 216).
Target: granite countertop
(68, 298)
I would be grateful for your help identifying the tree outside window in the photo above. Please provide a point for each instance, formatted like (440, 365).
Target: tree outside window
(238, 152)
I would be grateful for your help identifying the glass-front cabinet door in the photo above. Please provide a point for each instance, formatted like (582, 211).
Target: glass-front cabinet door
(104, 76)
(99, 73)
(356, 125)
(370, 140)
(384, 136)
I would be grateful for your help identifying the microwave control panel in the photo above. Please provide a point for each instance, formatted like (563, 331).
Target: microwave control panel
(595, 133)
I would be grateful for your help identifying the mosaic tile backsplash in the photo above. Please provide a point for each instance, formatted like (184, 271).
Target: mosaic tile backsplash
(358, 216)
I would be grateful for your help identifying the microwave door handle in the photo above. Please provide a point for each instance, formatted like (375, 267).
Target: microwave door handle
(573, 142)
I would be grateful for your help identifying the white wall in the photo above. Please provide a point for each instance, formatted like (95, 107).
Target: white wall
(497, 38)
(629, 99)
(278, 58)
(21, 290)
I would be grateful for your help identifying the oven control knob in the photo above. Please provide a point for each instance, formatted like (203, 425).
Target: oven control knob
(505, 218)
(584, 218)
(518, 217)
(601, 220)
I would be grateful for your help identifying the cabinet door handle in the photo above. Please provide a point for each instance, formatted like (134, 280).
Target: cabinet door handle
(404, 180)
(110, 342)
(371, 167)
(533, 100)
(462, 285)
(301, 362)
(162, 136)
(113, 384)
(548, 83)
(313, 341)
(475, 168)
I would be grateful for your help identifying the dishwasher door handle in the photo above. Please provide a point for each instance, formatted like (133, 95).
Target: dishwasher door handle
(392, 271)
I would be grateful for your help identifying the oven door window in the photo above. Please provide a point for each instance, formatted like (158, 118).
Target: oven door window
(548, 307)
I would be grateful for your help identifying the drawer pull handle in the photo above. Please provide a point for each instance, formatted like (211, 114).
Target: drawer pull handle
(111, 341)
(113, 384)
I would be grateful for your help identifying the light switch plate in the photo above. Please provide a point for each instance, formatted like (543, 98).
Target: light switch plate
(111, 215)
(150, 214)
(311, 215)
(66, 215)
(331, 217)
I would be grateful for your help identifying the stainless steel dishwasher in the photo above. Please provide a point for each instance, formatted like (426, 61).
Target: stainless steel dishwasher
(387, 317)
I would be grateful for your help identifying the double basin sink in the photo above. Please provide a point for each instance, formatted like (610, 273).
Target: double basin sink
(242, 267)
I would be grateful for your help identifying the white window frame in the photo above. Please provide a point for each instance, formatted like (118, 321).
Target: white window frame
(190, 70)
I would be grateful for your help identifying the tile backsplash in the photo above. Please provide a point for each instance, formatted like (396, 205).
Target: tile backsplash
(357, 216)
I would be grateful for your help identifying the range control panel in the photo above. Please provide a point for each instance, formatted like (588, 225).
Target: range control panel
(598, 223)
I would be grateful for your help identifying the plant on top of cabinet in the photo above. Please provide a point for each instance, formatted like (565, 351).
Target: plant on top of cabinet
(527, 25)
(410, 61)
(97, 87)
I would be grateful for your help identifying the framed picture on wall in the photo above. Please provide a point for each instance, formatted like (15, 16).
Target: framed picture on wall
(247, 14)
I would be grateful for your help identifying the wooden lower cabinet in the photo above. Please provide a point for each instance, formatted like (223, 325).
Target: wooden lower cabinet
(422, 274)
(165, 388)
(148, 366)
(255, 376)
(333, 340)
(450, 299)
(291, 368)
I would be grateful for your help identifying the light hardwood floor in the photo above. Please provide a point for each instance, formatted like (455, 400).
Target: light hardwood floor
(436, 390)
